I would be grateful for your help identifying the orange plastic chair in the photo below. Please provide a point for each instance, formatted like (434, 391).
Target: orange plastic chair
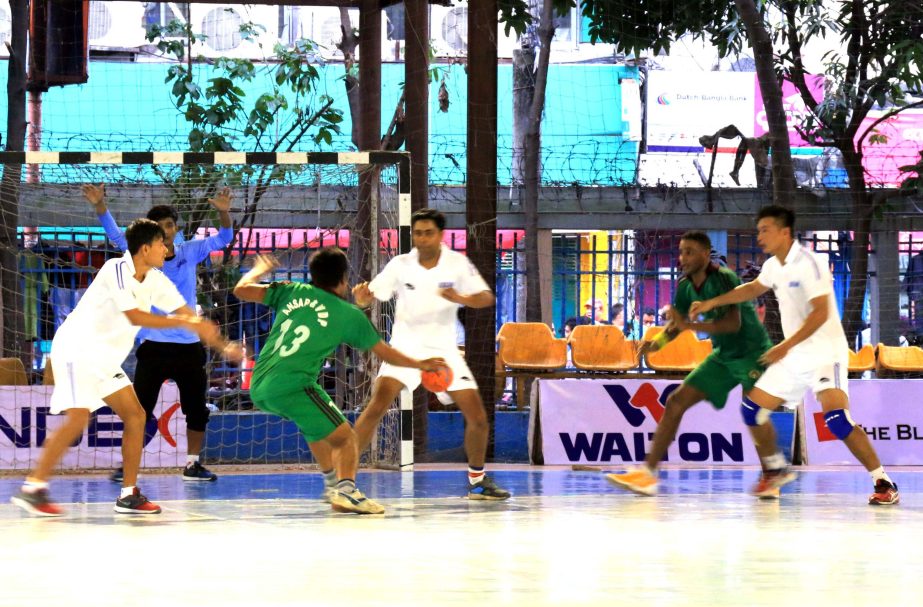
(48, 374)
(12, 372)
(682, 354)
(530, 345)
(602, 348)
(904, 359)
(863, 360)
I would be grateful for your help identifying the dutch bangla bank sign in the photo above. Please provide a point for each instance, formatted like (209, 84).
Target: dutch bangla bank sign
(25, 422)
(599, 421)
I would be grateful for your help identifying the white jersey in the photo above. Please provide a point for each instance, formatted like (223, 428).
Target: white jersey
(422, 316)
(804, 276)
(97, 330)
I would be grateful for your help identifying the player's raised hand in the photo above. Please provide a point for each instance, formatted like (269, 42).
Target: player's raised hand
(700, 307)
(433, 364)
(264, 264)
(362, 295)
(95, 195)
(222, 200)
(206, 330)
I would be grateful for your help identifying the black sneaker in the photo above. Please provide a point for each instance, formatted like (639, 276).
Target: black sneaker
(197, 472)
(37, 503)
(117, 476)
(136, 504)
(487, 489)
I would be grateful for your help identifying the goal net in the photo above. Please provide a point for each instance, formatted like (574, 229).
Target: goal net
(285, 204)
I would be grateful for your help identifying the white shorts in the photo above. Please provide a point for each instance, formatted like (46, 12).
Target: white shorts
(792, 376)
(462, 378)
(83, 385)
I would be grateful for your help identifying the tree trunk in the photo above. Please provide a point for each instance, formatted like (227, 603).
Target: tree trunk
(10, 292)
(532, 147)
(783, 174)
(862, 210)
(348, 46)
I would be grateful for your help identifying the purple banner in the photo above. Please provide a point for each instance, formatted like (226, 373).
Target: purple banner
(612, 421)
(890, 412)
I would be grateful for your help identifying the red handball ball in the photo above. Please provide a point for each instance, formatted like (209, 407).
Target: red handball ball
(437, 381)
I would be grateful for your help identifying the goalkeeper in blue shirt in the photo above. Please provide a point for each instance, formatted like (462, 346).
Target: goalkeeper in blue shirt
(175, 354)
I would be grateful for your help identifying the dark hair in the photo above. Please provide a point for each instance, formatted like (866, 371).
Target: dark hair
(328, 267)
(162, 211)
(616, 309)
(428, 215)
(650, 312)
(142, 232)
(698, 237)
(784, 217)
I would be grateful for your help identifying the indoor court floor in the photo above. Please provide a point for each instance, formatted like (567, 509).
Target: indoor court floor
(565, 538)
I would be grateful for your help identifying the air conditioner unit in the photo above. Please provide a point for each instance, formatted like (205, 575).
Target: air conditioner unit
(220, 24)
(116, 25)
(449, 32)
(6, 28)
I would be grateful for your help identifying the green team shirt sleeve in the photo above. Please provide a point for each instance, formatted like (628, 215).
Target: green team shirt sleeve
(362, 334)
(274, 293)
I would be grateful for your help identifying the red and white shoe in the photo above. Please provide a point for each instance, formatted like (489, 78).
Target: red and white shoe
(136, 504)
(771, 481)
(885, 494)
(37, 503)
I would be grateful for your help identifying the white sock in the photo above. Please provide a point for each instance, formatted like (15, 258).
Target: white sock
(776, 461)
(330, 478)
(475, 475)
(880, 474)
(347, 485)
(191, 459)
(126, 491)
(33, 486)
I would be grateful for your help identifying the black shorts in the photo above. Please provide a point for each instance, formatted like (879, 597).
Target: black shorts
(182, 363)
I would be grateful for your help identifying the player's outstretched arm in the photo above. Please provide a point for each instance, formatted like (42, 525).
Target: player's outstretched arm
(362, 295)
(742, 293)
(728, 323)
(222, 203)
(96, 196)
(248, 287)
(477, 300)
(399, 359)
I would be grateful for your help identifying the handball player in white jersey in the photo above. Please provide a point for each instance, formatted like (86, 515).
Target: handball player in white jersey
(431, 283)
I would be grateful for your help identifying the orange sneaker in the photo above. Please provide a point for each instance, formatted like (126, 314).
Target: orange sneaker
(639, 480)
(885, 494)
(37, 503)
(771, 481)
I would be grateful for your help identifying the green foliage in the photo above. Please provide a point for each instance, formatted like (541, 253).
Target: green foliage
(290, 115)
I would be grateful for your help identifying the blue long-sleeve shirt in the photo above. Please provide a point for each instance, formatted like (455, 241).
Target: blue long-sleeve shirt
(180, 269)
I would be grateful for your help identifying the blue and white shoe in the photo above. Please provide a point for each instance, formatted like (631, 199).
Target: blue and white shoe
(487, 489)
(117, 475)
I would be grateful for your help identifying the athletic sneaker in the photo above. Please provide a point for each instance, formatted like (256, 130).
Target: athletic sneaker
(136, 504)
(197, 472)
(639, 480)
(117, 476)
(885, 494)
(772, 480)
(487, 489)
(354, 502)
(37, 503)
(328, 493)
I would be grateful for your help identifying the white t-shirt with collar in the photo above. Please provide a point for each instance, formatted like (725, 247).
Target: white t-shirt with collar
(422, 316)
(804, 276)
(97, 330)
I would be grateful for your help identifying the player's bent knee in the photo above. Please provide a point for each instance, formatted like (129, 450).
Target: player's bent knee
(839, 423)
(753, 414)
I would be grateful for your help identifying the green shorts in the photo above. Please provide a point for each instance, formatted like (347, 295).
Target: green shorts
(310, 408)
(717, 376)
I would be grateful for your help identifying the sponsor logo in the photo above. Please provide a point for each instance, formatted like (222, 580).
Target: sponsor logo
(645, 407)
(409, 286)
(794, 284)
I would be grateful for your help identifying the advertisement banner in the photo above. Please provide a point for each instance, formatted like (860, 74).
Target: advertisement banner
(25, 423)
(890, 412)
(681, 107)
(612, 422)
(792, 103)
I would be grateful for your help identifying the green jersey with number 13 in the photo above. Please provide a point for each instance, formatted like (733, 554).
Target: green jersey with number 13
(310, 323)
